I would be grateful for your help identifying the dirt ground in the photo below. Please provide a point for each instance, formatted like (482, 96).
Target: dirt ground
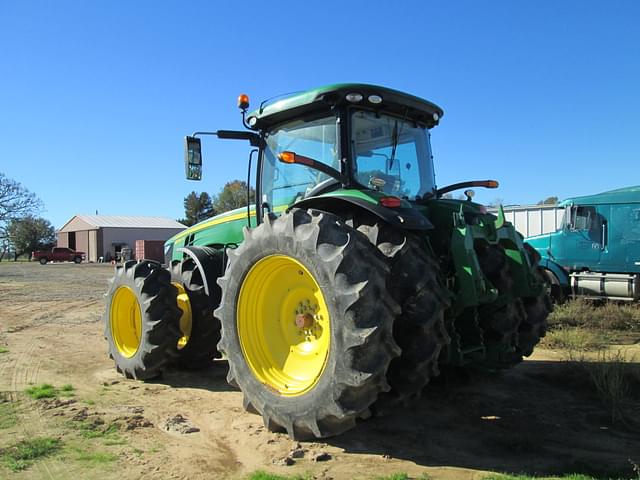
(539, 418)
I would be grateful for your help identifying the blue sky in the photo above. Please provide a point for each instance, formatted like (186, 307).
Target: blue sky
(95, 97)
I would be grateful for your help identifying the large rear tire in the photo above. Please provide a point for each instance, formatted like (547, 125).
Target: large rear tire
(414, 282)
(518, 324)
(500, 323)
(141, 319)
(197, 347)
(307, 323)
(537, 309)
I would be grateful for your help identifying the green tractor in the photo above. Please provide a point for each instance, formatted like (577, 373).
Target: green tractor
(348, 284)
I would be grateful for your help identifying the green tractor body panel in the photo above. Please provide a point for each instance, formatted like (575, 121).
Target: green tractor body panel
(459, 226)
(226, 228)
(220, 230)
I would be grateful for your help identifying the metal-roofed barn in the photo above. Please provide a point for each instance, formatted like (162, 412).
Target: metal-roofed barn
(104, 236)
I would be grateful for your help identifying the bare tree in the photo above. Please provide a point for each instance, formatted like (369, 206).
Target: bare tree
(15, 202)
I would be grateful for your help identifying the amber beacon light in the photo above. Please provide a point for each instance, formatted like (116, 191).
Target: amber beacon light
(243, 101)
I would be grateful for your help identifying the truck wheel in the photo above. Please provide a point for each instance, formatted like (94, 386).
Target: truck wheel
(554, 289)
(77, 260)
(307, 323)
(141, 319)
(537, 309)
(500, 324)
(200, 330)
(43, 260)
(414, 282)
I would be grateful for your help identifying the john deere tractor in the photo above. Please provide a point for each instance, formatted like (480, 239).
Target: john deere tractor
(349, 282)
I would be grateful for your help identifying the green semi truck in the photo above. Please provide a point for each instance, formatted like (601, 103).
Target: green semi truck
(596, 251)
(349, 283)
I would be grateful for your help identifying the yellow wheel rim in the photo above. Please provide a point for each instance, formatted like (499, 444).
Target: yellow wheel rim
(185, 317)
(126, 321)
(283, 325)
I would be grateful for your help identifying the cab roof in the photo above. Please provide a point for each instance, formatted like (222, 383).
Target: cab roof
(620, 195)
(294, 105)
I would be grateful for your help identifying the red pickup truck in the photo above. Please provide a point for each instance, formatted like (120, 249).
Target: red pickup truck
(58, 254)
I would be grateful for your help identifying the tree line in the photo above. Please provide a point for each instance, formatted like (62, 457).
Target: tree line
(200, 206)
(22, 230)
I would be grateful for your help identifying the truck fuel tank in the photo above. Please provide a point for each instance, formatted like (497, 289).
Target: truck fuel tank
(614, 286)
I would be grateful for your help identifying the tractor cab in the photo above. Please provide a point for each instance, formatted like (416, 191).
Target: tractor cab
(353, 140)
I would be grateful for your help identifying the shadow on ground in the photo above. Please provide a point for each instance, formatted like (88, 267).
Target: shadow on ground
(212, 378)
(541, 418)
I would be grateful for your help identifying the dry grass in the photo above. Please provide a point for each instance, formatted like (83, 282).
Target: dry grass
(616, 379)
(583, 313)
(614, 376)
(582, 325)
(575, 339)
(586, 331)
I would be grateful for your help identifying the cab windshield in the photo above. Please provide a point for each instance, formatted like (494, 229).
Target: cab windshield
(284, 184)
(391, 155)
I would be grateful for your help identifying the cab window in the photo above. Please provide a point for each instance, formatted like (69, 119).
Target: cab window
(583, 218)
(284, 184)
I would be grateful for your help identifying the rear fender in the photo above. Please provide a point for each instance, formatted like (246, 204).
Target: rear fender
(210, 261)
(345, 206)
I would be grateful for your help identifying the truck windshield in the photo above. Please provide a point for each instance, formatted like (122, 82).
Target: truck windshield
(283, 184)
(391, 155)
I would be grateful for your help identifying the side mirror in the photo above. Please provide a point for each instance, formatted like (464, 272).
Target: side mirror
(192, 158)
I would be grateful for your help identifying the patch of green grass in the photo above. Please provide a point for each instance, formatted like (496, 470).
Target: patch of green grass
(92, 430)
(22, 454)
(95, 429)
(115, 440)
(89, 402)
(96, 457)
(4, 350)
(262, 475)
(394, 476)
(45, 390)
(570, 476)
(67, 390)
(7, 414)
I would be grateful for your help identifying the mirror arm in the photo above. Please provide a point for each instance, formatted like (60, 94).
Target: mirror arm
(254, 138)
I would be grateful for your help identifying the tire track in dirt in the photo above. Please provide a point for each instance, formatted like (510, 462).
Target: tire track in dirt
(26, 370)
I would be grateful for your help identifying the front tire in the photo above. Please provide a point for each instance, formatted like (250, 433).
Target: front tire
(141, 319)
(43, 260)
(307, 323)
(77, 260)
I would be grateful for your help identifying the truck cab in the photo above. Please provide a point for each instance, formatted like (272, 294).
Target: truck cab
(596, 251)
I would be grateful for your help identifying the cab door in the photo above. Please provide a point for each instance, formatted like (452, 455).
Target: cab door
(583, 238)
(623, 239)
